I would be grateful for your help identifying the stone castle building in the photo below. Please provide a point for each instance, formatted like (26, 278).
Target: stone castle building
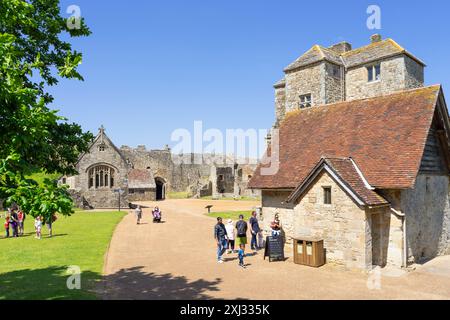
(363, 155)
(107, 174)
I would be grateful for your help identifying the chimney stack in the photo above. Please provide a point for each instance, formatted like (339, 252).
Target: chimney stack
(375, 38)
(341, 47)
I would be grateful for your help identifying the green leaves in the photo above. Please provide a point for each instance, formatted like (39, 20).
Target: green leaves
(34, 138)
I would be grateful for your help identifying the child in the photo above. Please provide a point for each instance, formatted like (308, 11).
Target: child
(38, 226)
(7, 224)
(230, 234)
(241, 255)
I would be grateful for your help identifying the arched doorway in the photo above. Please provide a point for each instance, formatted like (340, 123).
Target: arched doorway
(160, 189)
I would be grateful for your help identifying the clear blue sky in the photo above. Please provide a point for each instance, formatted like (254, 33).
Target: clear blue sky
(154, 66)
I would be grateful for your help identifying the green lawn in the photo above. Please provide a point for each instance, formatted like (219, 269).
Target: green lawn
(233, 215)
(178, 195)
(37, 269)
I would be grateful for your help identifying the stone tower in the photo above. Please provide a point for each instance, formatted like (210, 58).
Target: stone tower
(339, 73)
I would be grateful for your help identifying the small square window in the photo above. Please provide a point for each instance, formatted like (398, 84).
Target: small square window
(327, 195)
(101, 148)
(305, 101)
(374, 73)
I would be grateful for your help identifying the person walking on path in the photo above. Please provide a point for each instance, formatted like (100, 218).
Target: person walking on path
(255, 230)
(230, 234)
(241, 230)
(241, 254)
(138, 213)
(220, 235)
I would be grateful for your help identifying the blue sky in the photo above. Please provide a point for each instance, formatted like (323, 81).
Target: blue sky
(151, 67)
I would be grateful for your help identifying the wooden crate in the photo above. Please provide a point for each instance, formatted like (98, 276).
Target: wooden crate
(309, 252)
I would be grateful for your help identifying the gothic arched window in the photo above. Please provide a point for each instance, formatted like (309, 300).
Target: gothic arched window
(101, 176)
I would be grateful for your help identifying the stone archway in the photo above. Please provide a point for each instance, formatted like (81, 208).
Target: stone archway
(160, 188)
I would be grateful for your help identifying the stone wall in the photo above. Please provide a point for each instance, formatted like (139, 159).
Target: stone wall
(393, 79)
(414, 74)
(142, 195)
(280, 103)
(334, 89)
(345, 227)
(304, 81)
(102, 197)
(427, 217)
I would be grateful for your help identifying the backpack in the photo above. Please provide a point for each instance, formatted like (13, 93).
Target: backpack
(241, 227)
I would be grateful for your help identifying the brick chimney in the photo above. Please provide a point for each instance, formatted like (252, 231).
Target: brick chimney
(376, 38)
(341, 47)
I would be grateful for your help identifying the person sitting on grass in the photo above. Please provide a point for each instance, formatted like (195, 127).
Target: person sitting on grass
(7, 220)
(241, 254)
(38, 227)
(157, 215)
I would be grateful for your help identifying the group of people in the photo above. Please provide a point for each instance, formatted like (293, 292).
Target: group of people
(156, 213)
(231, 235)
(15, 221)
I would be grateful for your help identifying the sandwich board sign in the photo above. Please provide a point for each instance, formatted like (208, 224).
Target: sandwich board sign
(274, 249)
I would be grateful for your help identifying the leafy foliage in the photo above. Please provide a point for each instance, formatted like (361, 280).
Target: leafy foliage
(34, 138)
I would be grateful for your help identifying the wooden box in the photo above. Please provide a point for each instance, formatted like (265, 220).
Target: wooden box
(309, 252)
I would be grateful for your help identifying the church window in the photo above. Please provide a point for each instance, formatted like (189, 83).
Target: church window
(374, 72)
(101, 176)
(305, 101)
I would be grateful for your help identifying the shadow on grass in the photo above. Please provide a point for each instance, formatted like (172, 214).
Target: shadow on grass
(131, 284)
(44, 284)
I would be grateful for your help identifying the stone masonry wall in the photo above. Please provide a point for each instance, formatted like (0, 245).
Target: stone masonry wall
(345, 228)
(414, 74)
(280, 103)
(392, 79)
(102, 197)
(305, 81)
(427, 217)
(333, 84)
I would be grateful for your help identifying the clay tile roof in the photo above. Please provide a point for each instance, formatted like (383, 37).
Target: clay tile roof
(375, 51)
(348, 171)
(348, 175)
(141, 179)
(385, 136)
(315, 54)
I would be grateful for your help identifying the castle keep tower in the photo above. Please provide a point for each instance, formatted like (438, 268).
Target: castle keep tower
(339, 73)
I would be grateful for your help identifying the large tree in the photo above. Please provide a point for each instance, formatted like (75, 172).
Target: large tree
(33, 137)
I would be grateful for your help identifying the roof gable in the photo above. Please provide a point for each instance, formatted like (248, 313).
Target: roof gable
(385, 135)
(348, 176)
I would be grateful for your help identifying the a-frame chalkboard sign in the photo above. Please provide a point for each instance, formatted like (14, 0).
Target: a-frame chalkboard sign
(274, 249)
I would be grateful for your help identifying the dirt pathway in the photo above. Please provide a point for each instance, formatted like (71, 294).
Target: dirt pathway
(176, 260)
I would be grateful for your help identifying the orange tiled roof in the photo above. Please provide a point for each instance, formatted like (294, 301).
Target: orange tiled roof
(385, 136)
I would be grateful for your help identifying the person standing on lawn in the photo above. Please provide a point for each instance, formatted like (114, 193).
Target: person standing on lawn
(241, 231)
(255, 230)
(38, 226)
(220, 235)
(21, 221)
(7, 220)
(230, 234)
(14, 223)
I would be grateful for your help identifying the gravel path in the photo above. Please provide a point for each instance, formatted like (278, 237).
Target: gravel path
(176, 260)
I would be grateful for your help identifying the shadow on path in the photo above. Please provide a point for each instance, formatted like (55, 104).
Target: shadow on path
(135, 284)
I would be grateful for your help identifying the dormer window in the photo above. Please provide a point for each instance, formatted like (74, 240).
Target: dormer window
(305, 101)
(374, 73)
